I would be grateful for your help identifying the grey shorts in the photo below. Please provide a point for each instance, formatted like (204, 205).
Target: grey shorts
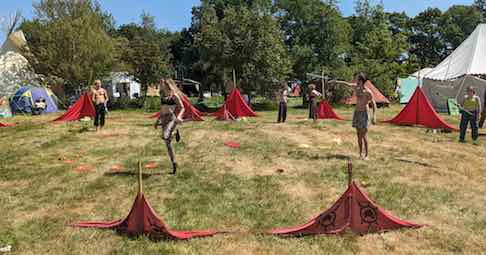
(360, 119)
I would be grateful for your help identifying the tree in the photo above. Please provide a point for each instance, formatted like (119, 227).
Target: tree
(246, 38)
(458, 22)
(146, 55)
(68, 41)
(316, 35)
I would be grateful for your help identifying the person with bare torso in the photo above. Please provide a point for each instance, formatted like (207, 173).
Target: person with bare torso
(364, 98)
(100, 98)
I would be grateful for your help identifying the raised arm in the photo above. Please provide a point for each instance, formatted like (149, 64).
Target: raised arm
(180, 106)
(343, 83)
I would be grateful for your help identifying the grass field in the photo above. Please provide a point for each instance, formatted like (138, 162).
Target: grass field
(423, 177)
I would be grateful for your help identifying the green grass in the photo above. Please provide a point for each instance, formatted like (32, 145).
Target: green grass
(282, 175)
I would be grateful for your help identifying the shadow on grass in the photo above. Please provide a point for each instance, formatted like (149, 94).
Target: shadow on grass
(316, 156)
(132, 174)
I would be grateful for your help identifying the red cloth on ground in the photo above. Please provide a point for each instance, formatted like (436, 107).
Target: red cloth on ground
(143, 220)
(377, 95)
(6, 124)
(236, 106)
(353, 210)
(82, 108)
(190, 112)
(419, 111)
(232, 144)
(325, 111)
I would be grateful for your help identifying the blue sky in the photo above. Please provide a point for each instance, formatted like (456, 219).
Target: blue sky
(176, 14)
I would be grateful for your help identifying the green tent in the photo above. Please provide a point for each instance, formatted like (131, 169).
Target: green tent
(407, 87)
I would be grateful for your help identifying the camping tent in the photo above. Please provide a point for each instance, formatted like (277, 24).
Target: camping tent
(407, 87)
(190, 113)
(449, 78)
(25, 97)
(377, 95)
(236, 106)
(82, 108)
(15, 42)
(420, 112)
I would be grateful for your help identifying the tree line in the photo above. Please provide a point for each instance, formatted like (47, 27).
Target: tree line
(265, 42)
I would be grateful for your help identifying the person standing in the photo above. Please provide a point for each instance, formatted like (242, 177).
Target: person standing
(100, 99)
(282, 106)
(171, 114)
(313, 97)
(364, 98)
(471, 107)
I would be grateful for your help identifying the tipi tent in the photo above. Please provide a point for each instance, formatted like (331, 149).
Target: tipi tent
(236, 106)
(449, 78)
(420, 112)
(325, 111)
(377, 95)
(190, 113)
(82, 108)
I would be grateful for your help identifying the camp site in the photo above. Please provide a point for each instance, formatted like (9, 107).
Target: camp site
(242, 127)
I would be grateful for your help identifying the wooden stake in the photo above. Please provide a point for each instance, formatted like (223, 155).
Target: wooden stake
(323, 87)
(234, 77)
(350, 173)
(140, 188)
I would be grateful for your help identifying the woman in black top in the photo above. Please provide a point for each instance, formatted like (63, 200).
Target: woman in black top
(171, 113)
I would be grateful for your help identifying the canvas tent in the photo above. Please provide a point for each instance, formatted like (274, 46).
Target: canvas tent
(325, 111)
(82, 108)
(450, 78)
(236, 106)
(420, 112)
(377, 95)
(25, 97)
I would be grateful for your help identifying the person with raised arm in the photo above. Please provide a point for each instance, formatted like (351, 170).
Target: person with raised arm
(361, 119)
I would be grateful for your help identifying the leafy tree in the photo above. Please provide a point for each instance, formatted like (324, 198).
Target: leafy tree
(68, 40)
(147, 54)
(458, 22)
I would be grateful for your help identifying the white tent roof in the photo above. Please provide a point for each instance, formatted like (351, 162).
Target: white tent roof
(468, 58)
(15, 42)
(422, 72)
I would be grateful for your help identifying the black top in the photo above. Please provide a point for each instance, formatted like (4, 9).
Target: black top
(167, 100)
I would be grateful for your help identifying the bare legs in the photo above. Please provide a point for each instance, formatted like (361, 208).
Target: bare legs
(362, 142)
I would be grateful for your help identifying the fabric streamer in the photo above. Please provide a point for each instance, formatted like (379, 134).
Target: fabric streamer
(420, 112)
(353, 210)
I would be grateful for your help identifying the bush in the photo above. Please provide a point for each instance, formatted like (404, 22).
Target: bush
(151, 104)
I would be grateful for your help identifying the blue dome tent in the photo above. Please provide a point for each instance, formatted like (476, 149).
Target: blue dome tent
(25, 97)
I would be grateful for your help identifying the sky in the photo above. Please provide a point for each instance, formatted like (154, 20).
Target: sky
(176, 14)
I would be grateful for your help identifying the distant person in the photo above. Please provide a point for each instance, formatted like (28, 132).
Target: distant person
(100, 99)
(313, 96)
(282, 106)
(483, 112)
(171, 114)
(471, 107)
(361, 118)
(39, 106)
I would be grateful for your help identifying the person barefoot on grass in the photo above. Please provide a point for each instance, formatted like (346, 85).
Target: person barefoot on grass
(471, 107)
(100, 98)
(282, 107)
(313, 98)
(171, 113)
(364, 98)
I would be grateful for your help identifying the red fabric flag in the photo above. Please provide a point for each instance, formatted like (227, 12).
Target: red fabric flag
(419, 111)
(142, 220)
(236, 106)
(325, 111)
(82, 108)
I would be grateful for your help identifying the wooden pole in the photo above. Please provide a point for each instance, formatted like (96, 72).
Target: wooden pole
(234, 78)
(140, 188)
(323, 87)
(350, 173)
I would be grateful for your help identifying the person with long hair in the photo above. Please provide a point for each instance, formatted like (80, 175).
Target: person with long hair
(361, 118)
(171, 114)
(313, 96)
